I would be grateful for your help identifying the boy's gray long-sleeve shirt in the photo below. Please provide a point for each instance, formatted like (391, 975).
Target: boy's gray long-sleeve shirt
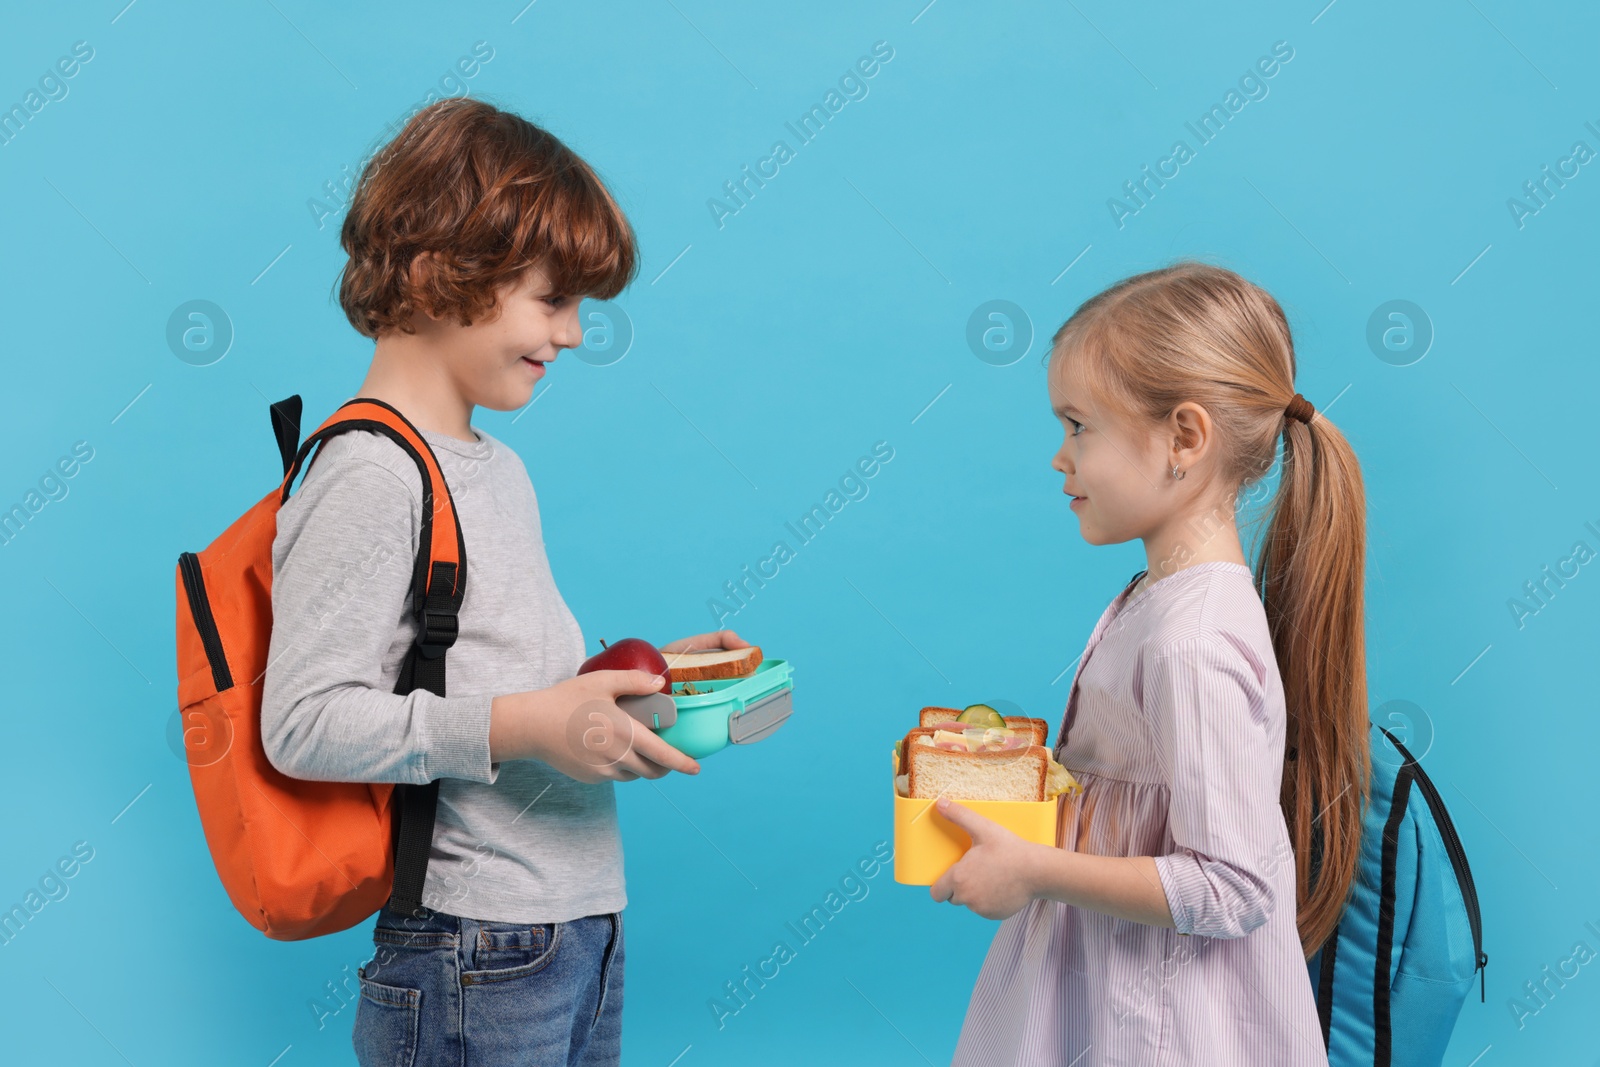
(516, 841)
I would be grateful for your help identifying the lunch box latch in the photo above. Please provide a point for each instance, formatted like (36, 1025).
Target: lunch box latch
(760, 719)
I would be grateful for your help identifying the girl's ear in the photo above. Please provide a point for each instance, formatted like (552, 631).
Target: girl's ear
(1192, 431)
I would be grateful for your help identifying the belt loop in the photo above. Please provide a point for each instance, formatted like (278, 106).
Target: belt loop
(467, 934)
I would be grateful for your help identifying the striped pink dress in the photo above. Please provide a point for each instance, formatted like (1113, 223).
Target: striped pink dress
(1175, 728)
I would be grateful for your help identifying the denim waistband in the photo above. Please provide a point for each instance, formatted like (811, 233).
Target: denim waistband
(430, 922)
(444, 923)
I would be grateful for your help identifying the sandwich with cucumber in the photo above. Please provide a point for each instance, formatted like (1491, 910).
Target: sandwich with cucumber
(975, 753)
(984, 715)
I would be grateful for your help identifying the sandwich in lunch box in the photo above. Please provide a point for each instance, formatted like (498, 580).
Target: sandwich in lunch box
(932, 716)
(979, 759)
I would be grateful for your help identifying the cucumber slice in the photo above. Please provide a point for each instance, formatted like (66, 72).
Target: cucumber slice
(981, 715)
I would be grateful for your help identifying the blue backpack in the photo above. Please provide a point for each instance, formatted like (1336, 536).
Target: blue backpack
(1392, 977)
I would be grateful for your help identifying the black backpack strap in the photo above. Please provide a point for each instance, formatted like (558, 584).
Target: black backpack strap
(438, 587)
(1330, 947)
(417, 804)
(286, 428)
(1382, 1024)
(415, 808)
(1325, 985)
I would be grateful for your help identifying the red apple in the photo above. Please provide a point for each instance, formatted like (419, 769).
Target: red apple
(630, 654)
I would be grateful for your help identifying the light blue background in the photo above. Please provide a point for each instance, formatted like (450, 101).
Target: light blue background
(822, 318)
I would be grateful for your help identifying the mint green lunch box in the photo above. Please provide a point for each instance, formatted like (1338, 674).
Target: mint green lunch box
(739, 711)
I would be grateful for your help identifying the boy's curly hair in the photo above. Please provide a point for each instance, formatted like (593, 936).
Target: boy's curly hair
(487, 195)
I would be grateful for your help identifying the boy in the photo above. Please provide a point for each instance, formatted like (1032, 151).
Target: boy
(471, 236)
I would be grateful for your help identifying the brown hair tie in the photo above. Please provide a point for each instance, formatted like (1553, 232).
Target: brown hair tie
(1299, 408)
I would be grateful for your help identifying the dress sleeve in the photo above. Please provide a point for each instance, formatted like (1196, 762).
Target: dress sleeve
(1207, 713)
(341, 582)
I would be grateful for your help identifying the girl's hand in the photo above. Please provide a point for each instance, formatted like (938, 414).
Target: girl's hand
(700, 642)
(995, 877)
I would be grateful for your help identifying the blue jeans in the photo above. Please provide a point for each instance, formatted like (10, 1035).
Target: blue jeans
(449, 990)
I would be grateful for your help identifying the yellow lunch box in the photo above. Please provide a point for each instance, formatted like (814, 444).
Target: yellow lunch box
(926, 844)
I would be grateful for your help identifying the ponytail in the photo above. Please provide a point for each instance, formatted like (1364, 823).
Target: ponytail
(1310, 576)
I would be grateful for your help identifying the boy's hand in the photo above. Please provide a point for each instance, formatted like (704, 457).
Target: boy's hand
(700, 642)
(576, 727)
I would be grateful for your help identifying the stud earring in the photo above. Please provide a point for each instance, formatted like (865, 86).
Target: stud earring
(1176, 473)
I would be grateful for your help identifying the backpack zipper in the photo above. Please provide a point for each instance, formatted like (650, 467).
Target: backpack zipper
(200, 608)
(1458, 856)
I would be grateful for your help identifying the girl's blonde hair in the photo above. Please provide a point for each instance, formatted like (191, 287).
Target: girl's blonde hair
(1196, 332)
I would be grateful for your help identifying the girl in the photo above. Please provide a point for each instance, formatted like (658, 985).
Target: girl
(1218, 727)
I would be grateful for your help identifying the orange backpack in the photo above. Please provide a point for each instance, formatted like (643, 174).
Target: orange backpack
(301, 858)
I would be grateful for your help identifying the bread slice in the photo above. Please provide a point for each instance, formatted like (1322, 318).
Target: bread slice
(930, 715)
(911, 739)
(710, 664)
(1039, 728)
(1017, 774)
